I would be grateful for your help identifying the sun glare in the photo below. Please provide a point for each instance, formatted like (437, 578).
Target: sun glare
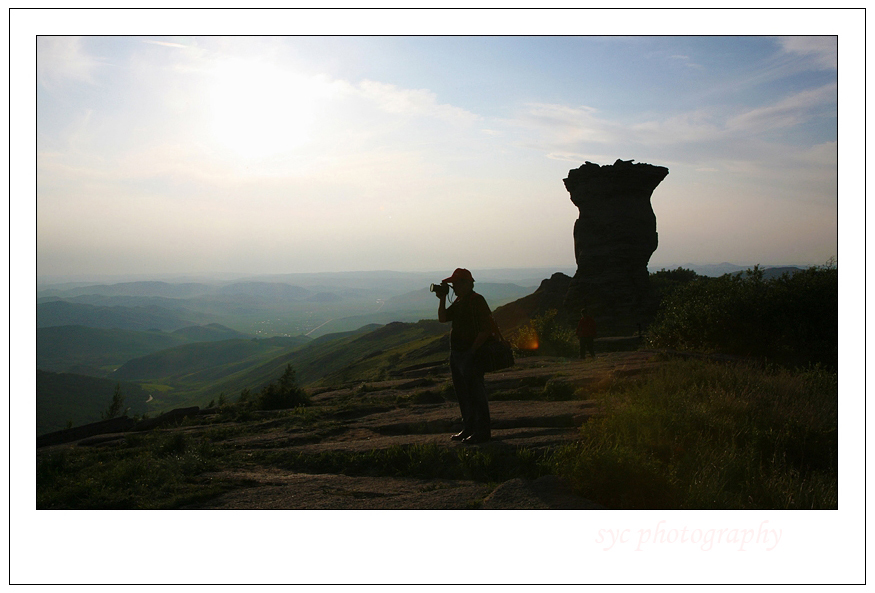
(259, 110)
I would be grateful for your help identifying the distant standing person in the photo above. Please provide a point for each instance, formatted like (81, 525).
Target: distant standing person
(472, 326)
(586, 334)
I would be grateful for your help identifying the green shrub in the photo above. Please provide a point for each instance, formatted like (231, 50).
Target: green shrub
(546, 336)
(448, 392)
(558, 390)
(665, 281)
(283, 394)
(791, 320)
(175, 444)
(427, 396)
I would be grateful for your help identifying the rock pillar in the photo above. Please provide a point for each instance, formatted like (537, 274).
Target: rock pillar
(614, 238)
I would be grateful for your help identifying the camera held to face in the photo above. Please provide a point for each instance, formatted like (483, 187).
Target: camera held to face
(441, 289)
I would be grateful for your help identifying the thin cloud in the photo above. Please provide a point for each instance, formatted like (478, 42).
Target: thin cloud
(708, 139)
(165, 43)
(691, 127)
(786, 113)
(62, 59)
(562, 124)
(686, 61)
(413, 102)
(822, 52)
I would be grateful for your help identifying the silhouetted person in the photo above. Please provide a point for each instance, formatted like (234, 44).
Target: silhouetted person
(586, 334)
(472, 325)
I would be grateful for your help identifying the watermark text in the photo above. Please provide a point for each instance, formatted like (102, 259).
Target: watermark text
(741, 539)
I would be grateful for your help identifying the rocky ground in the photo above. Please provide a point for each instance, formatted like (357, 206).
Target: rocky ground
(515, 423)
(410, 410)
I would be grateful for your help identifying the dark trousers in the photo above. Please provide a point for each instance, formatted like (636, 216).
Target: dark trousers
(587, 345)
(471, 393)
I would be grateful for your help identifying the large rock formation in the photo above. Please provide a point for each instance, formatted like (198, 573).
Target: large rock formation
(613, 241)
(614, 238)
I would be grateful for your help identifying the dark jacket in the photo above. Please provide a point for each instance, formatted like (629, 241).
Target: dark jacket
(470, 315)
(586, 327)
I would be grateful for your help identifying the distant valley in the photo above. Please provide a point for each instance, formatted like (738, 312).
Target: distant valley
(188, 343)
(192, 343)
(264, 306)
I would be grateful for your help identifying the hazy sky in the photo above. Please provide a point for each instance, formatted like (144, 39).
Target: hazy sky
(300, 154)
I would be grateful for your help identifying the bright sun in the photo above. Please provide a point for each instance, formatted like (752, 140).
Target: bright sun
(259, 110)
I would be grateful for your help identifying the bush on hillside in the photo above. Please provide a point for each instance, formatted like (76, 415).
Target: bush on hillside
(791, 320)
(282, 394)
(664, 282)
(546, 336)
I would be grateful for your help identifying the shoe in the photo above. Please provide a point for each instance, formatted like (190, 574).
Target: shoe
(477, 438)
(462, 435)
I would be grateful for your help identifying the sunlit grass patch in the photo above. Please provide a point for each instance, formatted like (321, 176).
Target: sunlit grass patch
(708, 435)
(157, 387)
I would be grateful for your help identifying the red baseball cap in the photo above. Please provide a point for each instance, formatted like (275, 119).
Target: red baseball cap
(459, 274)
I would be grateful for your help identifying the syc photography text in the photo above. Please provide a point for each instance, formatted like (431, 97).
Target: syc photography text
(741, 539)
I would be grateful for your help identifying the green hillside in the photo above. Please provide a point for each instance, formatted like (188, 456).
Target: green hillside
(189, 361)
(364, 356)
(100, 351)
(195, 374)
(66, 397)
(96, 351)
(351, 356)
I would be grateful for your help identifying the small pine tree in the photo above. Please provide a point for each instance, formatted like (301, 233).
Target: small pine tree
(116, 407)
(284, 394)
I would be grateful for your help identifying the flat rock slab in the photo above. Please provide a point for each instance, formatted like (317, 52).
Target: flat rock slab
(274, 489)
(516, 423)
(547, 492)
(277, 490)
